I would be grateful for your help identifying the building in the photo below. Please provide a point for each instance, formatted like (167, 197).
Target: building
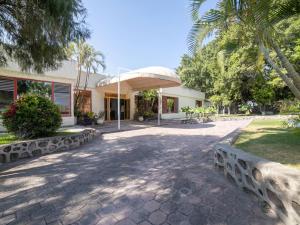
(101, 90)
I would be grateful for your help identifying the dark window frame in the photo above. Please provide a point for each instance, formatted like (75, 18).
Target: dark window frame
(15, 79)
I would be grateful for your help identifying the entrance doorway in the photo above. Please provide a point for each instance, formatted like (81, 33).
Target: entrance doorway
(111, 107)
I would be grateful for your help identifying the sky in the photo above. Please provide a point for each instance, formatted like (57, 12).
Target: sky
(138, 33)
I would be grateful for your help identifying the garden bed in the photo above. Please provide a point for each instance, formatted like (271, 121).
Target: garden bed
(62, 141)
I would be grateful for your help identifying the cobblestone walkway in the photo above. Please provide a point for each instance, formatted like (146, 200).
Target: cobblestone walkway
(149, 176)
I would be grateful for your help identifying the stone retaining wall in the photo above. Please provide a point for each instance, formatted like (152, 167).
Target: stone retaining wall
(276, 185)
(42, 146)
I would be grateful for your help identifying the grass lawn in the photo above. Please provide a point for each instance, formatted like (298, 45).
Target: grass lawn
(270, 140)
(6, 138)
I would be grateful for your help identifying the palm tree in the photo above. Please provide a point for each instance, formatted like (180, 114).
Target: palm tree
(259, 16)
(88, 60)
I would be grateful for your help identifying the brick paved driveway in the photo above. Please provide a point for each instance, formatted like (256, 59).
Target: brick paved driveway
(148, 176)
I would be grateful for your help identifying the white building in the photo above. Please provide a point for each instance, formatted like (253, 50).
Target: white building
(101, 92)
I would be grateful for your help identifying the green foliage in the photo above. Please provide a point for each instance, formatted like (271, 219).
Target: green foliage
(35, 33)
(87, 59)
(149, 95)
(187, 110)
(170, 103)
(245, 108)
(289, 106)
(32, 116)
(242, 29)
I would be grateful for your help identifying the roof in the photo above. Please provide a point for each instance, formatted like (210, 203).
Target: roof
(146, 78)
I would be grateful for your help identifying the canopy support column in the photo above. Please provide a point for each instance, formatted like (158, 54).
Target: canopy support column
(119, 107)
(159, 106)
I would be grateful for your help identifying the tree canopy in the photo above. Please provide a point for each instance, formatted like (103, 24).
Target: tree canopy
(35, 33)
(231, 70)
(267, 25)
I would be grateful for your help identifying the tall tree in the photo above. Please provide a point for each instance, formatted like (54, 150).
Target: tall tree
(35, 33)
(88, 61)
(258, 17)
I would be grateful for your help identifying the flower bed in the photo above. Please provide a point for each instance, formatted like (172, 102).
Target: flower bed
(43, 146)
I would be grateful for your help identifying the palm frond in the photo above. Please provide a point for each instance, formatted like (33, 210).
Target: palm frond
(202, 28)
(194, 8)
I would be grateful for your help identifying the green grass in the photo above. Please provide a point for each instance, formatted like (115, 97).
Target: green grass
(270, 140)
(6, 138)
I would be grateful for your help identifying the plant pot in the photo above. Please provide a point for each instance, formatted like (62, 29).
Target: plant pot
(141, 118)
(100, 121)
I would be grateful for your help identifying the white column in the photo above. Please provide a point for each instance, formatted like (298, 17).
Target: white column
(119, 107)
(159, 106)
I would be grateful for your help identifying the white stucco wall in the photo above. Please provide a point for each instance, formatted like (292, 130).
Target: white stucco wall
(67, 70)
(186, 97)
(63, 75)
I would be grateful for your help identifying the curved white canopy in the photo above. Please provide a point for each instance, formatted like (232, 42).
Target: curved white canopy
(146, 78)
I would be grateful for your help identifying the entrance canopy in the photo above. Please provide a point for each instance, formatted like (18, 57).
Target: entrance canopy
(145, 78)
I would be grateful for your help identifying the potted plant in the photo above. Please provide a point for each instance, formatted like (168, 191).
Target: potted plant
(141, 117)
(90, 118)
(100, 117)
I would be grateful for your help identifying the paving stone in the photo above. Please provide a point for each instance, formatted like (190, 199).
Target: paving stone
(151, 206)
(126, 222)
(108, 220)
(145, 223)
(139, 215)
(7, 219)
(186, 209)
(70, 218)
(106, 210)
(129, 177)
(169, 207)
(157, 217)
(177, 218)
(89, 219)
(57, 222)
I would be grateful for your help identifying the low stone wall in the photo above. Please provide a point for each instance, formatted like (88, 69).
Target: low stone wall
(276, 185)
(42, 146)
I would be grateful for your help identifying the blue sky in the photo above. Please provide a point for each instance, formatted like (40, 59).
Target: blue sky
(140, 33)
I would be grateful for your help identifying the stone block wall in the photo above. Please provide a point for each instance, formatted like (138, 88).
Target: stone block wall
(276, 185)
(42, 146)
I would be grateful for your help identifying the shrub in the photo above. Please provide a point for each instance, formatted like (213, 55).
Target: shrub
(289, 107)
(245, 108)
(32, 116)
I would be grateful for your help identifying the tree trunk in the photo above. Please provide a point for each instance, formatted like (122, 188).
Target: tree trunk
(228, 110)
(292, 73)
(289, 82)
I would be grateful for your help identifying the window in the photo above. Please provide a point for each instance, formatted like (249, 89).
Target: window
(11, 88)
(62, 98)
(198, 103)
(34, 87)
(169, 104)
(6, 93)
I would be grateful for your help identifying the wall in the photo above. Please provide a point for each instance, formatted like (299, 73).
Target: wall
(186, 97)
(66, 71)
(43, 146)
(65, 74)
(277, 186)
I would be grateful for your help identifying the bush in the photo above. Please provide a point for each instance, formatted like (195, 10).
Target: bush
(245, 108)
(289, 107)
(32, 116)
